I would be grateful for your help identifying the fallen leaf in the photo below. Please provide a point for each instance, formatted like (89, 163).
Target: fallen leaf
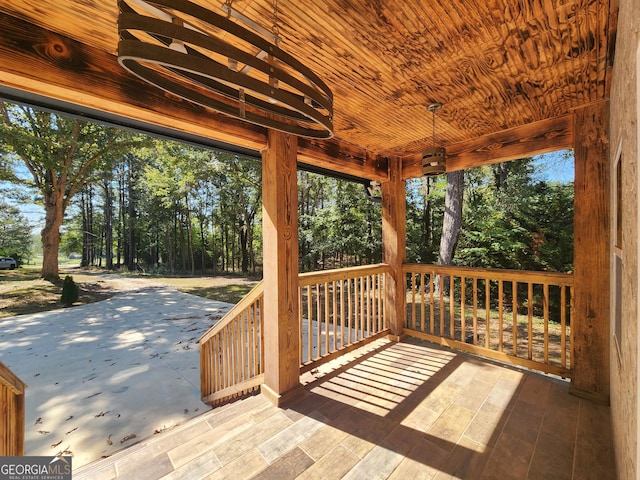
(127, 438)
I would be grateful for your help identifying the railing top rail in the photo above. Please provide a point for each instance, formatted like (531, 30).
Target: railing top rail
(243, 304)
(311, 278)
(493, 273)
(11, 380)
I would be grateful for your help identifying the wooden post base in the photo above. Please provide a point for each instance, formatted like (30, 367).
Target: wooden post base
(283, 399)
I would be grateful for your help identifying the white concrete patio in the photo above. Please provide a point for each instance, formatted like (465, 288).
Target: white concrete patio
(104, 376)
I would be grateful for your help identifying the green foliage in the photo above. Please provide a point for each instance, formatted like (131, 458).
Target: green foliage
(70, 291)
(337, 225)
(163, 206)
(15, 233)
(511, 219)
(62, 155)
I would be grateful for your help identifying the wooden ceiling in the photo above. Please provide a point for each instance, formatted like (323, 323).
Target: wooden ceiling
(496, 66)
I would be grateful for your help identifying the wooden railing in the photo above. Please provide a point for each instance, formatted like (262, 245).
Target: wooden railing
(340, 310)
(231, 353)
(11, 413)
(520, 317)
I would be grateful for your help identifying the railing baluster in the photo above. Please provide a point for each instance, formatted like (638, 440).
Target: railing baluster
(530, 315)
(514, 306)
(572, 319)
(500, 315)
(563, 326)
(432, 314)
(452, 308)
(374, 304)
(475, 309)
(309, 323)
(342, 319)
(487, 306)
(363, 312)
(351, 306)
(381, 292)
(423, 326)
(441, 289)
(326, 319)
(413, 300)
(318, 321)
(546, 323)
(463, 318)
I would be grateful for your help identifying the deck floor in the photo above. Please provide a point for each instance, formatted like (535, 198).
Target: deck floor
(400, 410)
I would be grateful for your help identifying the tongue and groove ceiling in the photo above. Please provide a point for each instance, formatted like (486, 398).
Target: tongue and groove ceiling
(495, 65)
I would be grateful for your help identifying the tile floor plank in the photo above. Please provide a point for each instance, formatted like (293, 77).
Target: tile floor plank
(403, 410)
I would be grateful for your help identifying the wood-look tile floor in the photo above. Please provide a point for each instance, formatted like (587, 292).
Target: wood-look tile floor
(405, 410)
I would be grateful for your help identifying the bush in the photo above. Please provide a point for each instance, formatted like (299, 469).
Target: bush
(70, 291)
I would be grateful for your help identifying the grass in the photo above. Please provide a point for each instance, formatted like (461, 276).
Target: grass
(225, 293)
(22, 291)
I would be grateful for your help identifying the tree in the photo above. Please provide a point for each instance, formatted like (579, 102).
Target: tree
(511, 220)
(15, 233)
(452, 217)
(62, 154)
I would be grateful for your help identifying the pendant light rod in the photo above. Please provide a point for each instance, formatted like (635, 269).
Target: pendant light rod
(434, 159)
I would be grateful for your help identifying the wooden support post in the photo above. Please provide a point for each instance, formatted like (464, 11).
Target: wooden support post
(394, 230)
(280, 236)
(592, 252)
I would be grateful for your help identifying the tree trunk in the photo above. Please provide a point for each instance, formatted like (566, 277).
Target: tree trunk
(244, 253)
(452, 221)
(192, 257)
(54, 213)
(452, 217)
(427, 233)
(203, 250)
(85, 226)
(131, 213)
(108, 225)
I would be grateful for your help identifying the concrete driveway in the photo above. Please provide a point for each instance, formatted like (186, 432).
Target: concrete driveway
(104, 376)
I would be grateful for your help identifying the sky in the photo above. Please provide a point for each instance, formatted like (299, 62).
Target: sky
(556, 166)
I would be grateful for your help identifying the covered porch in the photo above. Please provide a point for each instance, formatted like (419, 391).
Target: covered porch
(518, 79)
(393, 410)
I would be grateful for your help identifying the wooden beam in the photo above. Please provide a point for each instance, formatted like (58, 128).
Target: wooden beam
(343, 157)
(280, 239)
(394, 233)
(532, 139)
(44, 63)
(592, 254)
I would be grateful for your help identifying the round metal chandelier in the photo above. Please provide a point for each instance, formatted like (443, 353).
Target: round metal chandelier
(216, 62)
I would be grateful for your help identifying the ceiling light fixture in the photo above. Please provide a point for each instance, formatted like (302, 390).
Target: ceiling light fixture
(434, 159)
(233, 67)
